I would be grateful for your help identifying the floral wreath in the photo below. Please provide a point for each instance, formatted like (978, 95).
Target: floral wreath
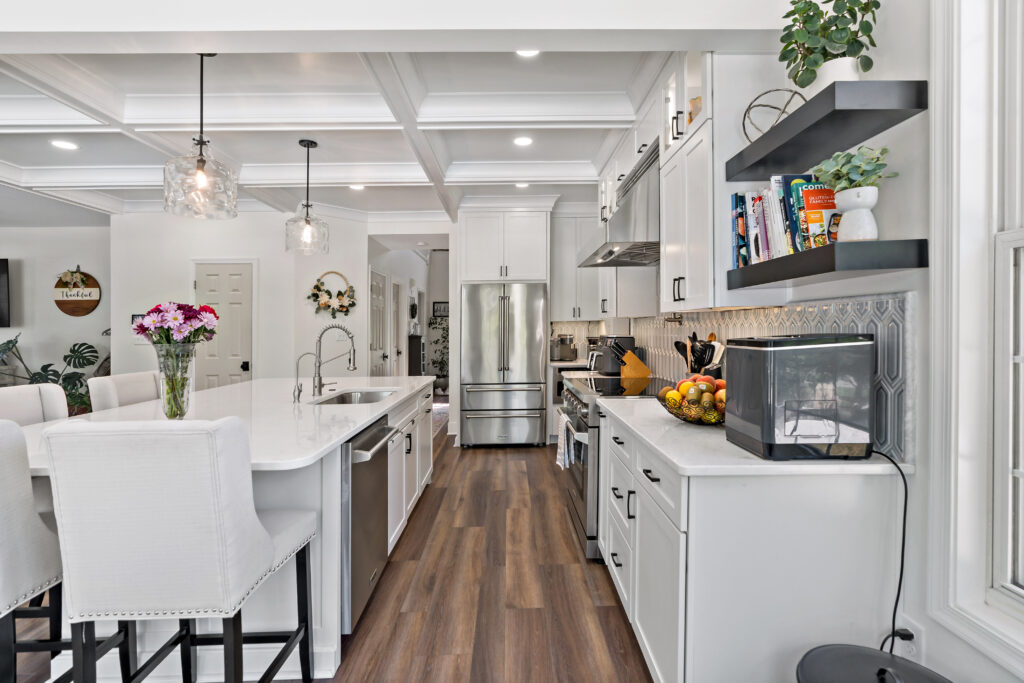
(73, 278)
(334, 303)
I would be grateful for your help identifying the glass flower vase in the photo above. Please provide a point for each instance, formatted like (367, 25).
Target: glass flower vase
(176, 364)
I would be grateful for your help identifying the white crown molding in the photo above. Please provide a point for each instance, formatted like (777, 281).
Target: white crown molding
(398, 173)
(245, 205)
(91, 177)
(576, 209)
(89, 199)
(253, 111)
(512, 109)
(390, 217)
(493, 172)
(537, 202)
(10, 174)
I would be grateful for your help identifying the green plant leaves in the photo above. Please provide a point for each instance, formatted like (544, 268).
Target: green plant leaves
(814, 61)
(866, 27)
(81, 355)
(865, 63)
(845, 170)
(72, 381)
(805, 77)
(8, 346)
(818, 33)
(45, 375)
(800, 35)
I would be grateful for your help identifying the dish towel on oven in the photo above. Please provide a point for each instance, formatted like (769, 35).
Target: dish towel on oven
(564, 442)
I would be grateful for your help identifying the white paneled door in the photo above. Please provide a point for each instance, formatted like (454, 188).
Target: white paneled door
(227, 287)
(378, 322)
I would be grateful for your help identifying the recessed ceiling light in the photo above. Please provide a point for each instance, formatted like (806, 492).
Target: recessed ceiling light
(523, 141)
(64, 144)
(421, 244)
(527, 53)
(522, 184)
(356, 187)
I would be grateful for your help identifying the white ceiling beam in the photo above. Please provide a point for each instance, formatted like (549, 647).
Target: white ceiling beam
(36, 111)
(89, 199)
(245, 205)
(539, 110)
(394, 76)
(505, 172)
(258, 111)
(60, 79)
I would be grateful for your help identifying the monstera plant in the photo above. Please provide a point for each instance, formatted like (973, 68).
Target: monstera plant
(80, 356)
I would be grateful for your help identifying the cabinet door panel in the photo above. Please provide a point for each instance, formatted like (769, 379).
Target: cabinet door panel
(481, 256)
(636, 292)
(659, 559)
(563, 268)
(697, 217)
(589, 235)
(410, 485)
(673, 233)
(606, 292)
(526, 245)
(424, 447)
(396, 489)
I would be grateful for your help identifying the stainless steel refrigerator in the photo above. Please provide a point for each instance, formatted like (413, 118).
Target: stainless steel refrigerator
(504, 342)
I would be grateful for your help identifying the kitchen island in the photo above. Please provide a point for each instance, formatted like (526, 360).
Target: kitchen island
(716, 552)
(296, 451)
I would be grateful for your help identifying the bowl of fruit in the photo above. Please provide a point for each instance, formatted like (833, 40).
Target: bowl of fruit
(699, 399)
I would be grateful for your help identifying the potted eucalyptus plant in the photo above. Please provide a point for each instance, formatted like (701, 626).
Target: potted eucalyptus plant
(854, 177)
(821, 45)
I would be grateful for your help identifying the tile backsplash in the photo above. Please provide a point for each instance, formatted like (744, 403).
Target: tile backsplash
(888, 317)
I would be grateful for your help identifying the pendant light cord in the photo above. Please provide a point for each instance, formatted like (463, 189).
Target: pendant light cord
(306, 205)
(201, 140)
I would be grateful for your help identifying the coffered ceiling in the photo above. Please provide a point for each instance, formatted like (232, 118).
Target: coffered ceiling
(420, 131)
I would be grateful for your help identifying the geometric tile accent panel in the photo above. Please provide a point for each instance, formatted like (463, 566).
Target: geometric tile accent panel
(887, 316)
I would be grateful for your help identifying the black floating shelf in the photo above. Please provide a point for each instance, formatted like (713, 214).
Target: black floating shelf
(841, 116)
(832, 262)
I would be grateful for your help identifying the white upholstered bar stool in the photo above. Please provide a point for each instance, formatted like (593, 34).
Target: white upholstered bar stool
(157, 521)
(29, 557)
(29, 404)
(124, 389)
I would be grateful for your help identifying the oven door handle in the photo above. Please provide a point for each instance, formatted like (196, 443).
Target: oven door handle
(582, 437)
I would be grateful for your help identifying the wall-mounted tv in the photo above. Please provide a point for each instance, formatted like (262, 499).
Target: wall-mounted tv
(5, 294)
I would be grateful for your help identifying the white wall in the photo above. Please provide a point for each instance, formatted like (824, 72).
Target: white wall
(437, 290)
(152, 261)
(37, 256)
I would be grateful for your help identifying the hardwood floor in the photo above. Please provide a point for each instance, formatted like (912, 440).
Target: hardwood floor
(488, 583)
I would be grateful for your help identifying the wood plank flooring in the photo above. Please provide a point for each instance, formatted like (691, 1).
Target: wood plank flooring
(488, 583)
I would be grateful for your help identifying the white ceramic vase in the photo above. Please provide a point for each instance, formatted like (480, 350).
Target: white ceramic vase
(857, 223)
(842, 69)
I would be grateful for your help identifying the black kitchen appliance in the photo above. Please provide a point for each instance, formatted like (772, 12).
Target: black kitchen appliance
(802, 396)
(610, 349)
(417, 356)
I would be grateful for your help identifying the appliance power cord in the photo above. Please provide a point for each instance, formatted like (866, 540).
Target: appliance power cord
(895, 633)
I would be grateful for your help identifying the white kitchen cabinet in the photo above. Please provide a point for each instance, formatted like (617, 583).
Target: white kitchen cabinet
(659, 562)
(424, 442)
(647, 129)
(503, 245)
(410, 485)
(628, 292)
(686, 76)
(396, 489)
(687, 255)
(573, 290)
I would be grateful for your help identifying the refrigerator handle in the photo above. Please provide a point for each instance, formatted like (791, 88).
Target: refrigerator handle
(508, 306)
(501, 332)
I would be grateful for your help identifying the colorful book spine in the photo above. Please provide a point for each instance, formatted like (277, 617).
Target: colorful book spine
(754, 243)
(819, 206)
(742, 247)
(779, 213)
(790, 191)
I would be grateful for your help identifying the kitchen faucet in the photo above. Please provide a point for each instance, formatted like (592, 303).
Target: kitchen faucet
(318, 362)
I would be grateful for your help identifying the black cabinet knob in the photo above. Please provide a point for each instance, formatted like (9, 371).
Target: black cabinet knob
(245, 366)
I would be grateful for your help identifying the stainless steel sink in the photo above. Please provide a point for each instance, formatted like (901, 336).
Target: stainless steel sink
(354, 396)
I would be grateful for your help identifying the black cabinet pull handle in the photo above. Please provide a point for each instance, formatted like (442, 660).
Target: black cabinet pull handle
(618, 440)
(428, 410)
(640, 150)
(621, 176)
(600, 414)
(615, 560)
(603, 217)
(629, 497)
(647, 473)
(676, 133)
(408, 444)
(615, 492)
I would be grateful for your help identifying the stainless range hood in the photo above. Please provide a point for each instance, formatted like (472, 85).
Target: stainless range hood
(633, 233)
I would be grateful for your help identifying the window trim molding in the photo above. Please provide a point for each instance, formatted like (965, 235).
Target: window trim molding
(963, 127)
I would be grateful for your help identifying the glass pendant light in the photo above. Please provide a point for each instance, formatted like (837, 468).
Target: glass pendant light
(196, 185)
(305, 233)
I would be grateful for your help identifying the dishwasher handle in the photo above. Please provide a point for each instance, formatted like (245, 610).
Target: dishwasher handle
(360, 455)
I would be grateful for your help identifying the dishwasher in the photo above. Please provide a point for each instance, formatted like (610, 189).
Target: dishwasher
(364, 519)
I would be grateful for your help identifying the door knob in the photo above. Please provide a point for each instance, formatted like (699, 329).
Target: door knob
(245, 366)
(384, 356)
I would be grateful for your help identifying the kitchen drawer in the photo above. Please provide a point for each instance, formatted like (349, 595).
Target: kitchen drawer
(498, 428)
(623, 441)
(502, 397)
(668, 489)
(620, 565)
(621, 494)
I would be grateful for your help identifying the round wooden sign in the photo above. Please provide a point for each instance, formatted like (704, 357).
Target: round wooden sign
(79, 297)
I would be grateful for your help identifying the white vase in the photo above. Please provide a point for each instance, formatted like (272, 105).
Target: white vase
(842, 69)
(857, 223)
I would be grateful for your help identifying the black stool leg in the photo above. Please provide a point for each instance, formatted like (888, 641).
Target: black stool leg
(83, 651)
(188, 651)
(302, 580)
(37, 601)
(128, 650)
(8, 657)
(233, 648)
(56, 616)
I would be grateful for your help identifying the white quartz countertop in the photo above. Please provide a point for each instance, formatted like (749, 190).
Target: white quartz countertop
(583, 374)
(578, 363)
(702, 450)
(282, 435)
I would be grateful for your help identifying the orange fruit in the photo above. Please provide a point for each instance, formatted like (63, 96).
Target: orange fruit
(684, 387)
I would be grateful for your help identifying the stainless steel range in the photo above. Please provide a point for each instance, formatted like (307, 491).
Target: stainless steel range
(583, 433)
